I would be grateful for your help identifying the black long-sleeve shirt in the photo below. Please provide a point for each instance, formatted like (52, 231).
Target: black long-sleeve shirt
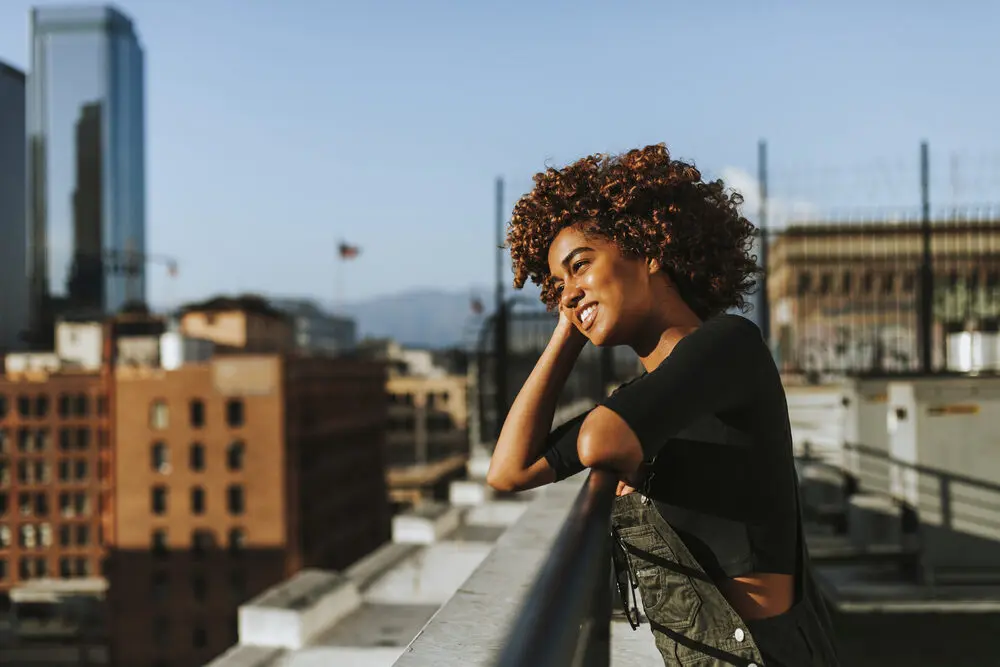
(713, 425)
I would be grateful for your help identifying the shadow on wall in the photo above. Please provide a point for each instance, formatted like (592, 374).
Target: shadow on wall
(179, 608)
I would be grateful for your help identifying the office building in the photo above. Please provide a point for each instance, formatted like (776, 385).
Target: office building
(13, 193)
(845, 297)
(86, 165)
(245, 323)
(316, 331)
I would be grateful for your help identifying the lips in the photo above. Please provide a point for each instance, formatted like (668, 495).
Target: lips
(587, 314)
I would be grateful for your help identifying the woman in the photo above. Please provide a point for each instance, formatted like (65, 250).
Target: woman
(637, 250)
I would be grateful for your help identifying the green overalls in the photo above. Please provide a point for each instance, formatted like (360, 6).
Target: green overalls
(692, 623)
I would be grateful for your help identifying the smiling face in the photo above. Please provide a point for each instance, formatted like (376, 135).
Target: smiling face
(608, 296)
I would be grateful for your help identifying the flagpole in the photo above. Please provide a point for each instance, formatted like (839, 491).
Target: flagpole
(339, 279)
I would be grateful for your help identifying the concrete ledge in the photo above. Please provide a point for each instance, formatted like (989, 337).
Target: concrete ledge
(470, 628)
(425, 524)
(469, 492)
(378, 562)
(291, 614)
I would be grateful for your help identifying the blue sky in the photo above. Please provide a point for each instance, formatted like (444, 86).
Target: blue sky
(277, 128)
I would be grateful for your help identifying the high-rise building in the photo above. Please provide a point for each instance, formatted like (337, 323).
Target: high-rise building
(13, 191)
(86, 164)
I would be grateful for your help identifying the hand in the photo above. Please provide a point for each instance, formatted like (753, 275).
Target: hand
(624, 489)
(566, 329)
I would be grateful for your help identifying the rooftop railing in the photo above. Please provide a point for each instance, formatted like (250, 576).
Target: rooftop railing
(566, 617)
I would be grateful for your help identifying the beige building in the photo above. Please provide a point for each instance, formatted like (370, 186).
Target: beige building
(230, 477)
(845, 297)
(246, 323)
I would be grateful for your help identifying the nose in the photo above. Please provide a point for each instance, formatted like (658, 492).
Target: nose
(570, 296)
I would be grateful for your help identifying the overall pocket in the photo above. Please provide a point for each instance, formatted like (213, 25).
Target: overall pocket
(668, 595)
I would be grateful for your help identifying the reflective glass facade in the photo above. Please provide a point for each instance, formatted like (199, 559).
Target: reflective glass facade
(13, 188)
(86, 154)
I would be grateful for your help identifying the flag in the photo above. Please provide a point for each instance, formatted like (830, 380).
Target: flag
(349, 251)
(172, 269)
(477, 306)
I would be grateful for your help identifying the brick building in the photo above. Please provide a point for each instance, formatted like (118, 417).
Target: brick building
(231, 476)
(53, 472)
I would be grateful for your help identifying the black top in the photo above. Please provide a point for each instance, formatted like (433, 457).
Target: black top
(713, 423)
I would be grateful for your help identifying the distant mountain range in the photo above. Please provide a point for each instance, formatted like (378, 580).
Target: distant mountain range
(426, 317)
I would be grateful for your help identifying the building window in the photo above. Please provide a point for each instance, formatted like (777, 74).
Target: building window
(64, 535)
(6, 536)
(202, 541)
(238, 587)
(234, 499)
(197, 413)
(65, 505)
(64, 470)
(159, 415)
(82, 438)
(82, 567)
(23, 440)
(237, 540)
(3, 504)
(159, 457)
(63, 405)
(197, 500)
(65, 441)
(23, 472)
(24, 406)
(24, 504)
(83, 535)
(199, 587)
(888, 283)
(4, 437)
(41, 567)
(80, 470)
(867, 282)
(24, 568)
(45, 535)
(65, 569)
(42, 406)
(41, 504)
(26, 536)
(42, 471)
(197, 457)
(234, 455)
(234, 412)
(82, 405)
(159, 500)
(81, 502)
(3, 406)
(160, 585)
(159, 542)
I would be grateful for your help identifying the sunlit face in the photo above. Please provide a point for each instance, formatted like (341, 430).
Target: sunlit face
(606, 294)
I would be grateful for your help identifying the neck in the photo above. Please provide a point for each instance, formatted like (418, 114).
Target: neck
(665, 328)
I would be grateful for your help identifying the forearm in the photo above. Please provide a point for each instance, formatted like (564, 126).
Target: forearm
(515, 463)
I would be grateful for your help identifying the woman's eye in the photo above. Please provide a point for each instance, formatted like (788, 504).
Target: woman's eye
(577, 266)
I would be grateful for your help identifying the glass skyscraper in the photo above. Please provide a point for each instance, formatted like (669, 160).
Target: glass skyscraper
(86, 156)
(13, 189)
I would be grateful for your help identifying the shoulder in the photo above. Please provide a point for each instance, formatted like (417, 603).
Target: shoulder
(724, 334)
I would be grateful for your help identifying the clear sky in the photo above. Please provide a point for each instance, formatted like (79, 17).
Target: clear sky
(277, 127)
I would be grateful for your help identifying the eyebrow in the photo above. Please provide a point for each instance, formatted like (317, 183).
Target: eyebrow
(573, 253)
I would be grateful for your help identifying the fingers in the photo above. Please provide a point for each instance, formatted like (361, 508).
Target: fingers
(624, 489)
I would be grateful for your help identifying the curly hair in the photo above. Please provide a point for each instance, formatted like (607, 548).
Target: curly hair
(650, 206)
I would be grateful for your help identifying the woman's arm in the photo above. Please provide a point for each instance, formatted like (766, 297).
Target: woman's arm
(715, 369)
(517, 463)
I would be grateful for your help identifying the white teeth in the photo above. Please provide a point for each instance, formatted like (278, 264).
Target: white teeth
(588, 314)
